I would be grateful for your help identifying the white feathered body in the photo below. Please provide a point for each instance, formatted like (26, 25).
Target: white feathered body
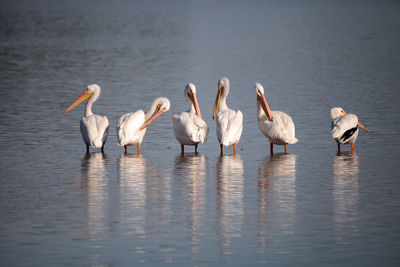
(345, 129)
(94, 129)
(280, 130)
(189, 129)
(128, 128)
(229, 126)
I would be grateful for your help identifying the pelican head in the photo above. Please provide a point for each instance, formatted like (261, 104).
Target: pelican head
(158, 107)
(91, 92)
(263, 102)
(223, 90)
(190, 94)
(337, 112)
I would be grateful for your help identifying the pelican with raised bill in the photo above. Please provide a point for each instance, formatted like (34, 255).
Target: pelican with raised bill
(131, 127)
(344, 127)
(277, 126)
(229, 122)
(189, 128)
(94, 128)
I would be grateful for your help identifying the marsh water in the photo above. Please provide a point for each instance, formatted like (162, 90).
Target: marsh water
(62, 207)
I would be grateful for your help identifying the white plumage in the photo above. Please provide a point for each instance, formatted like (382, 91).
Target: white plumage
(94, 128)
(229, 122)
(344, 127)
(189, 127)
(277, 126)
(131, 127)
(128, 128)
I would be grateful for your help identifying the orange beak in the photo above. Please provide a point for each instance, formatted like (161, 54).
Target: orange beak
(264, 106)
(193, 98)
(217, 99)
(362, 127)
(155, 116)
(85, 95)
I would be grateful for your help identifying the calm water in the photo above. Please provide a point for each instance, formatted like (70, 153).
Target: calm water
(60, 206)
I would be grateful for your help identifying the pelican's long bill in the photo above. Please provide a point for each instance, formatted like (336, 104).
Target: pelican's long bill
(217, 99)
(363, 127)
(264, 106)
(193, 98)
(85, 95)
(157, 113)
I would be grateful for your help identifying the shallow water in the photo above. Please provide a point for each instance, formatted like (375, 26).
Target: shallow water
(61, 206)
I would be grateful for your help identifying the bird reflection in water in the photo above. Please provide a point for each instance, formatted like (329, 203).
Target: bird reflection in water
(193, 168)
(229, 177)
(345, 195)
(94, 178)
(132, 176)
(276, 196)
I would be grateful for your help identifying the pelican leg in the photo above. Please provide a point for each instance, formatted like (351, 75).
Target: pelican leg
(234, 149)
(126, 149)
(138, 149)
(87, 149)
(338, 148)
(182, 149)
(285, 148)
(195, 148)
(222, 153)
(352, 147)
(271, 148)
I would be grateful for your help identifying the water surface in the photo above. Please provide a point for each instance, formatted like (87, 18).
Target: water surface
(61, 206)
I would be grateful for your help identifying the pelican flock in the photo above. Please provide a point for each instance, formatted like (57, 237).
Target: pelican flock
(344, 127)
(189, 128)
(94, 128)
(277, 126)
(131, 127)
(229, 122)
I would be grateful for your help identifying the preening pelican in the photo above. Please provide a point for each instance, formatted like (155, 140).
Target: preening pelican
(229, 122)
(131, 127)
(94, 128)
(344, 127)
(277, 126)
(189, 128)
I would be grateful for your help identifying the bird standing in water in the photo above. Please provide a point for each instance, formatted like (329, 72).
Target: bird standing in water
(277, 126)
(131, 127)
(189, 127)
(229, 122)
(94, 128)
(344, 127)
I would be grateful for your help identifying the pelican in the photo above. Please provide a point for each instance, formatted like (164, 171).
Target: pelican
(277, 126)
(229, 122)
(131, 127)
(189, 128)
(94, 128)
(344, 127)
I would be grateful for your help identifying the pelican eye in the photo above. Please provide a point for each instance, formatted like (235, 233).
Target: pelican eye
(163, 109)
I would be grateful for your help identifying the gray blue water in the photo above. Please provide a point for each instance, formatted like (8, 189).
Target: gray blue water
(60, 206)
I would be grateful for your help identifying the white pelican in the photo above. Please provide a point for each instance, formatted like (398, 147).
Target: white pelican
(189, 128)
(344, 127)
(131, 127)
(94, 128)
(277, 126)
(229, 122)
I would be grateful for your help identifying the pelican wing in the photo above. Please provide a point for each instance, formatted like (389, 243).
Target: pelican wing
(189, 128)
(343, 124)
(94, 129)
(128, 127)
(283, 128)
(229, 126)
